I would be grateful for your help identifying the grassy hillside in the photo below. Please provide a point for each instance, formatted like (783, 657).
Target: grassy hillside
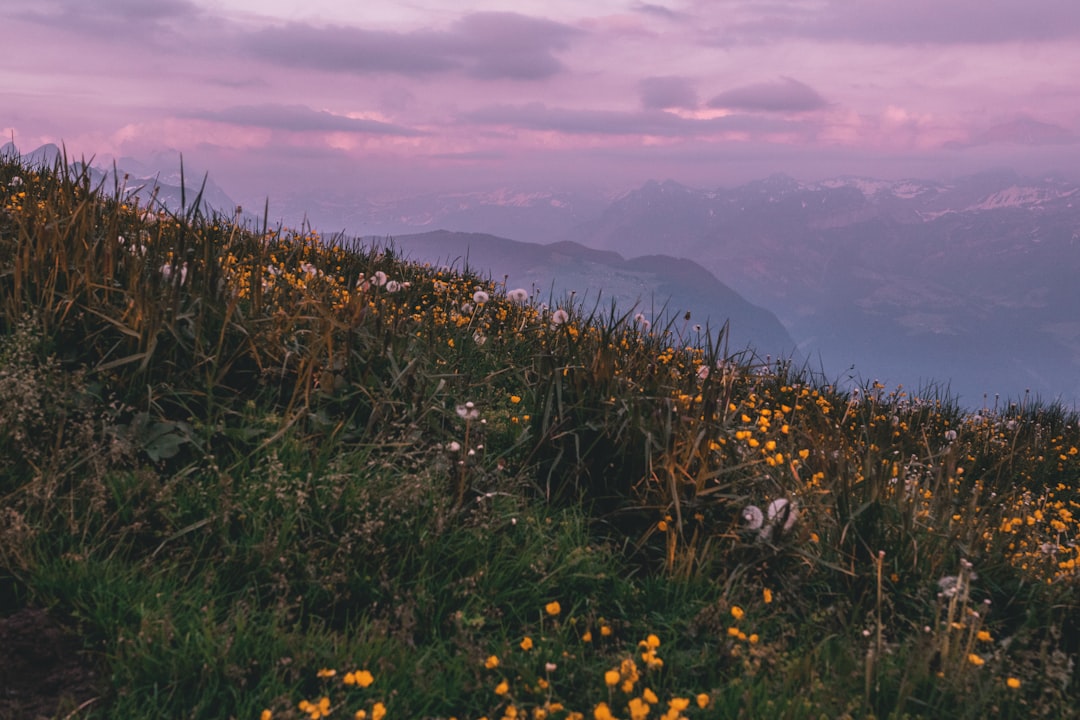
(257, 476)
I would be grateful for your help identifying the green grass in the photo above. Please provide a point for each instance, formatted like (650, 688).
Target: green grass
(234, 457)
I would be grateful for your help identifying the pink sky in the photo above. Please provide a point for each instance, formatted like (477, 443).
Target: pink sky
(398, 97)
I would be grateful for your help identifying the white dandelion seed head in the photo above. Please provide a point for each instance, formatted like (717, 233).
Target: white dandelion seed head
(518, 295)
(467, 411)
(392, 286)
(950, 435)
(480, 297)
(15, 181)
(379, 278)
(559, 317)
(753, 517)
(467, 308)
(308, 269)
(453, 446)
(949, 584)
(782, 513)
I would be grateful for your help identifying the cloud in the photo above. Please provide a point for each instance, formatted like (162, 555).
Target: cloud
(783, 95)
(669, 91)
(1023, 131)
(84, 17)
(540, 117)
(507, 45)
(657, 11)
(484, 45)
(892, 22)
(298, 118)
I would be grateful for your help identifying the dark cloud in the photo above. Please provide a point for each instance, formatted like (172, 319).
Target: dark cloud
(297, 118)
(115, 16)
(669, 91)
(1023, 131)
(894, 22)
(783, 95)
(487, 45)
(657, 11)
(537, 116)
(507, 45)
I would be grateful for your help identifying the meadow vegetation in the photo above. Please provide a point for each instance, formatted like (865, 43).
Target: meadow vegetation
(263, 475)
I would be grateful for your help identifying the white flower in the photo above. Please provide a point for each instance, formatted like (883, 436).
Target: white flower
(479, 338)
(392, 286)
(703, 372)
(15, 182)
(309, 269)
(642, 321)
(950, 435)
(467, 308)
(167, 271)
(453, 446)
(518, 295)
(273, 270)
(559, 317)
(379, 278)
(480, 297)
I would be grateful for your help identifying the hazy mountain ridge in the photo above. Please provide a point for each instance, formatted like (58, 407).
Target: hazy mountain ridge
(655, 285)
(971, 281)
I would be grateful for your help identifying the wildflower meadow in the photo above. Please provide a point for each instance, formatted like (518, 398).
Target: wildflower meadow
(260, 473)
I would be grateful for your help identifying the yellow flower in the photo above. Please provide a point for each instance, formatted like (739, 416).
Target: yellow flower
(553, 608)
(650, 642)
(767, 594)
(703, 700)
(515, 399)
(605, 630)
(587, 637)
(502, 688)
(639, 709)
(602, 712)
(326, 672)
(649, 696)
(737, 612)
(975, 660)
(1012, 682)
(360, 715)
(363, 678)
(678, 703)
(378, 711)
(611, 677)
(266, 714)
(527, 643)
(492, 662)
(984, 636)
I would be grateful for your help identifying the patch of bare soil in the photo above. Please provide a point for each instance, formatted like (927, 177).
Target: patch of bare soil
(44, 671)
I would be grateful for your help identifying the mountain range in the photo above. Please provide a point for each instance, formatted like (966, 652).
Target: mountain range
(968, 284)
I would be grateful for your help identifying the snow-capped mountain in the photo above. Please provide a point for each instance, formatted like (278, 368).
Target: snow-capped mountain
(970, 283)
